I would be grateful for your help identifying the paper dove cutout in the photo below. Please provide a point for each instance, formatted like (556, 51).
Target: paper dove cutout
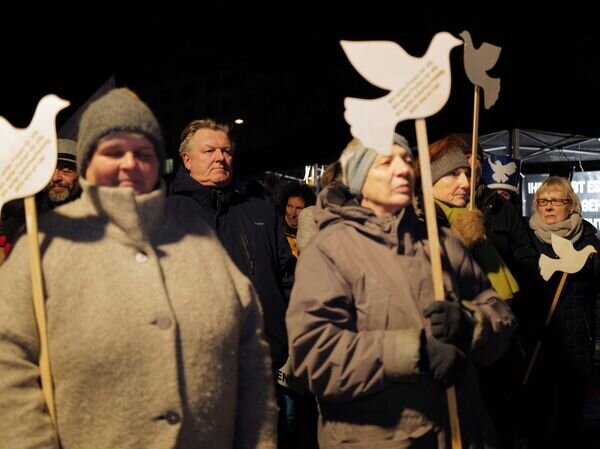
(570, 260)
(419, 87)
(28, 156)
(501, 173)
(477, 62)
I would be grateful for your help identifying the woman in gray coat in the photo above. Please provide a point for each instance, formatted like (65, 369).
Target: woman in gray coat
(154, 336)
(364, 331)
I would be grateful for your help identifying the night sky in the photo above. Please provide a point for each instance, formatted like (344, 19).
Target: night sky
(549, 67)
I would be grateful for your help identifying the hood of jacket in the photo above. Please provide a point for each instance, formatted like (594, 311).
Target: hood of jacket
(336, 204)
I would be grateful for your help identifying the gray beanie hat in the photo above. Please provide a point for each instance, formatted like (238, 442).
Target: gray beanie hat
(356, 160)
(118, 110)
(447, 162)
(67, 151)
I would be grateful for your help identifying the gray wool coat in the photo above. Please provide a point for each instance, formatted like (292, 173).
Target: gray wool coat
(155, 337)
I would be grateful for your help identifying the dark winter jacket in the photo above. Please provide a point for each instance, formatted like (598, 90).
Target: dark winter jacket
(509, 233)
(252, 234)
(576, 320)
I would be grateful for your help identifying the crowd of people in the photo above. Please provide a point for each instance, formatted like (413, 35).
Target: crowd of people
(173, 310)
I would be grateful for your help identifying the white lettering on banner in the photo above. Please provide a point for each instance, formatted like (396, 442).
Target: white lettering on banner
(532, 187)
(590, 205)
(578, 186)
(284, 377)
(593, 186)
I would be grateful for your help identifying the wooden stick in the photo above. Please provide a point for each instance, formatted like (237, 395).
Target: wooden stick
(561, 284)
(436, 259)
(474, 139)
(38, 304)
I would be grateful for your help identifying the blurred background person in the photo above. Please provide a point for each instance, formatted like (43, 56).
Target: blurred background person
(64, 185)
(297, 197)
(306, 222)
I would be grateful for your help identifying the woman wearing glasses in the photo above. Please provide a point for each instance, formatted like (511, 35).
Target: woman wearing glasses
(563, 368)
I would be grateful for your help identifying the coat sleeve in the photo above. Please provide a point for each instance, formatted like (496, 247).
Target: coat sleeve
(495, 322)
(337, 361)
(24, 421)
(256, 416)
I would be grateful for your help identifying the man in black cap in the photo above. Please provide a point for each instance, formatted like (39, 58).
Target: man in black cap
(64, 185)
(62, 188)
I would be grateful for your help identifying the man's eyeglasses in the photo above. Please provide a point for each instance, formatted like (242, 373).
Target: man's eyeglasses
(554, 201)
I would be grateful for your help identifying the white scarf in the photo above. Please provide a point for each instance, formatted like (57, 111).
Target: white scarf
(570, 229)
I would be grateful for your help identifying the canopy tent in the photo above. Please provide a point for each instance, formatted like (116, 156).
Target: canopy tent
(543, 147)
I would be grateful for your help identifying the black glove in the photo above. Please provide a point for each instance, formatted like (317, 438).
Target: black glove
(446, 362)
(450, 323)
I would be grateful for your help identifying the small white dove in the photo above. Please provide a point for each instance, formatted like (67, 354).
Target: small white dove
(477, 62)
(501, 172)
(28, 156)
(419, 87)
(570, 260)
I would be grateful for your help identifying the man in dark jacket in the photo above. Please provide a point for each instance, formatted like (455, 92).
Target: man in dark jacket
(249, 229)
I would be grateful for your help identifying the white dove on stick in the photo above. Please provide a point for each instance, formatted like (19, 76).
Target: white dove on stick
(501, 172)
(570, 260)
(477, 62)
(418, 87)
(28, 156)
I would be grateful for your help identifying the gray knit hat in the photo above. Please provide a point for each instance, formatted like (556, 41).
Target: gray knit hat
(67, 151)
(118, 110)
(356, 160)
(447, 162)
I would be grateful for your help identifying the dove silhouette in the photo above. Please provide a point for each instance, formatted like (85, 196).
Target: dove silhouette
(570, 260)
(501, 173)
(477, 62)
(28, 155)
(418, 87)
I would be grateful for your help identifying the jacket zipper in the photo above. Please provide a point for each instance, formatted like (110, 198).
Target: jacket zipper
(246, 246)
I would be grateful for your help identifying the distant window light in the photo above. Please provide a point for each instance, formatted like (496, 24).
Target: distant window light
(168, 166)
(238, 121)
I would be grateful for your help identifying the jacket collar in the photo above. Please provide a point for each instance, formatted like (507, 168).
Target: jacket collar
(336, 204)
(215, 198)
(135, 215)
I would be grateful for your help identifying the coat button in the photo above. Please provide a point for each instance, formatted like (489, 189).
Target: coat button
(163, 322)
(172, 417)
(141, 257)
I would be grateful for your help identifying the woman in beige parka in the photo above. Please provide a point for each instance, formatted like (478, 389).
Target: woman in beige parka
(364, 331)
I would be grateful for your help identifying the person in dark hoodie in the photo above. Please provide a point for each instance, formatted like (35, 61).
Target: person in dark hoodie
(248, 227)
